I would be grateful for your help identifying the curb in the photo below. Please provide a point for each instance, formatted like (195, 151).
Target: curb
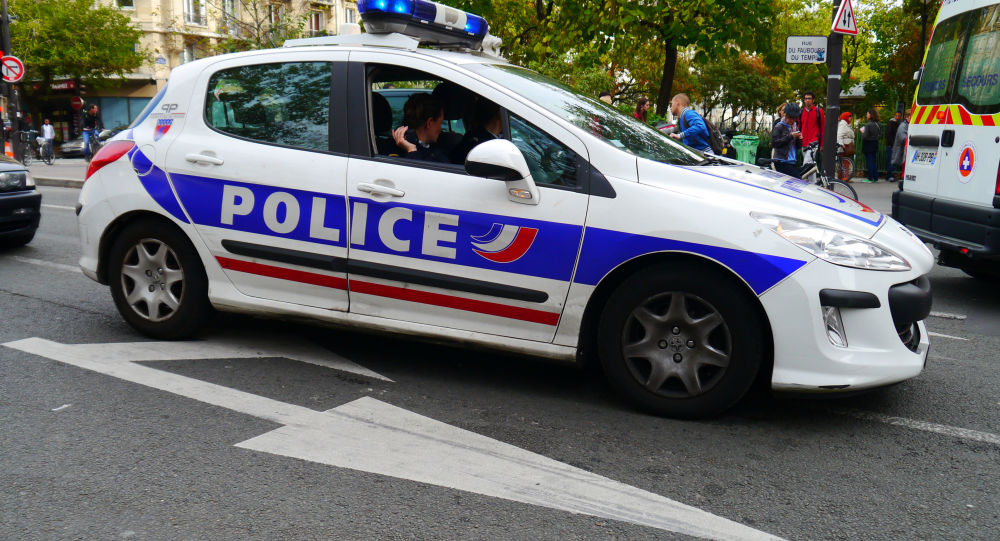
(59, 182)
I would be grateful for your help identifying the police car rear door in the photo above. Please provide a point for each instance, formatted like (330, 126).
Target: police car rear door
(433, 245)
(258, 169)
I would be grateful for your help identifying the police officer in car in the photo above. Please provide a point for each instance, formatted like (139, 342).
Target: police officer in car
(424, 115)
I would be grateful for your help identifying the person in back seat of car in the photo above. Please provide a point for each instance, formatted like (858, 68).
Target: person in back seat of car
(418, 138)
(486, 126)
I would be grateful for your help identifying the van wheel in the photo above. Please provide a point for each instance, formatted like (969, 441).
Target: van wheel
(681, 342)
(157, 281)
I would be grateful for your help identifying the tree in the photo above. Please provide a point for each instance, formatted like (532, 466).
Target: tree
(73, 39)
(667, 26)
(255, 24)
(899, 52)
(739, 83)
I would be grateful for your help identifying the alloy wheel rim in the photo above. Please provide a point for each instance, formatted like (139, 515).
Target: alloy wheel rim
(152, 280)
(676, 345)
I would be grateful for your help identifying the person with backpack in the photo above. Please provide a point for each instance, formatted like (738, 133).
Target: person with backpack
(871, 133)
(693, 130)
(811, 123)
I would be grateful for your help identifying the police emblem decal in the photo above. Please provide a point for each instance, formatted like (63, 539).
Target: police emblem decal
(162, 126)
(504, 243)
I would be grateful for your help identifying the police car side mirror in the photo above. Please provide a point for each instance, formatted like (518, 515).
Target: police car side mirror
(499, 159)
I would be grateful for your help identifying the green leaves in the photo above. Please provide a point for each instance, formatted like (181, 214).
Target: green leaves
(72, 38)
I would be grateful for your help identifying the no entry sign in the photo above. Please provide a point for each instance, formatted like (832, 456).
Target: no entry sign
(12, 68)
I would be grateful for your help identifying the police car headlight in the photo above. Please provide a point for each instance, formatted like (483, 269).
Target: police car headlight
(832, 245)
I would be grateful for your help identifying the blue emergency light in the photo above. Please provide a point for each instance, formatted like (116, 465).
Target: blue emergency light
(429, 22)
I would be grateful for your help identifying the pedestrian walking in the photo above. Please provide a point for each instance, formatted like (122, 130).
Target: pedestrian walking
(784, 137)
(811, 123)
(845, 135)
(641, 109)
(49, 134)
(899, 143)
(891, 128)
(693, 130)
(871, 132)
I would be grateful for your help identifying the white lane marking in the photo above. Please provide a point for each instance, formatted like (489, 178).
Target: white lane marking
(372, 436)
(62, 407)
(946, 315)
(60, 207)
(49, 264)
(939, 335)
(953, 431)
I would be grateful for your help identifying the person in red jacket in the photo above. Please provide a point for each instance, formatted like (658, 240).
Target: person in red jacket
(811, 124)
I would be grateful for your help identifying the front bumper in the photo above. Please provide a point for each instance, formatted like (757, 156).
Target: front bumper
(955, 227)
(20, 212)
(882, 316)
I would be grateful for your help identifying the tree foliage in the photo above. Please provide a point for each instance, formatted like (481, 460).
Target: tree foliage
(73, 39)
(256, 24)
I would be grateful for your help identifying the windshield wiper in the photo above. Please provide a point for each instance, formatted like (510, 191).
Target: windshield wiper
(712, 160)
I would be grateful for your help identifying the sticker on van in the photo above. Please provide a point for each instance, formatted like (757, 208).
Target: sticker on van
(966, 162)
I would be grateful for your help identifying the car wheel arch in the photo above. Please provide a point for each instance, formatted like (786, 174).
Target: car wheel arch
(115, 228)
(610, 282)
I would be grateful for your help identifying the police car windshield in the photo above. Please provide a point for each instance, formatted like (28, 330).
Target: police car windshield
(592, 115)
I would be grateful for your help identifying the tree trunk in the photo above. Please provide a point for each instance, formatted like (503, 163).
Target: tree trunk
(667, 80)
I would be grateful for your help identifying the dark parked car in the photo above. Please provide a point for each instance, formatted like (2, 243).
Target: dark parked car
(74, 147)
(19, 204)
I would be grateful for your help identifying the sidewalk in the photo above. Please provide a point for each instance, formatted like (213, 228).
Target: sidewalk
(67, 173)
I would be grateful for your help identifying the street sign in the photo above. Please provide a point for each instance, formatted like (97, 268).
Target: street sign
(805, 49)
(844, 22)
(12, 68)
(76, 102)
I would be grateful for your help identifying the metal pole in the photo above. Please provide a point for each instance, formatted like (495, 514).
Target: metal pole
(834, 53)
(12, 106)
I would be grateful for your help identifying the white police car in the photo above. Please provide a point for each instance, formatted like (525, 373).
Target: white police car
(267, 182)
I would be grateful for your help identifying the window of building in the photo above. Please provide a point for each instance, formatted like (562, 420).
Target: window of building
(230, 17)
(187, 53)
(317, 23)
(350, 16)
(274, 13)
(194, 12)
(285, 104)
(126, 4)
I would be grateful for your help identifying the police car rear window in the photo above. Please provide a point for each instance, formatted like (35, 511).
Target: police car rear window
(594, 116)
(286, 104)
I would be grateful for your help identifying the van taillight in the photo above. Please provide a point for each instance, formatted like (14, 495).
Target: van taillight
(108, 153)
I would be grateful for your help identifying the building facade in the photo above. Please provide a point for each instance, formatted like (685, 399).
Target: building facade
(179, 31)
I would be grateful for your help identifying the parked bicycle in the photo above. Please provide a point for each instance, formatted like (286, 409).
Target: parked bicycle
(35, 147)
(813, 173)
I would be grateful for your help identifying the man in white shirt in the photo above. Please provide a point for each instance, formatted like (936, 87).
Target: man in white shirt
(49, 134)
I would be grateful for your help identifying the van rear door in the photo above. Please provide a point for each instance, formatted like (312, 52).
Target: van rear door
(969, 166)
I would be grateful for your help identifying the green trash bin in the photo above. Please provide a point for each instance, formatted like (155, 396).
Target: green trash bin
(746, 147)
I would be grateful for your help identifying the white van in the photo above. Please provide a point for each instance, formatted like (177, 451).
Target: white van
(950, 192)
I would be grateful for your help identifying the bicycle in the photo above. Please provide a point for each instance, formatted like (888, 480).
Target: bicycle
(94, 143)
(812, 173)
(28, 152)
(45, 151)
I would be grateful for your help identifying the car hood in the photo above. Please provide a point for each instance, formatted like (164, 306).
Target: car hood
(763, 190)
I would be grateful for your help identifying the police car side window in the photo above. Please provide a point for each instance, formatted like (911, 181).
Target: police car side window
(550, 162)
(286, 104)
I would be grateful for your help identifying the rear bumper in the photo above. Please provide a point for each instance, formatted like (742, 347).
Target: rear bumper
(19, 212)
(956, 227)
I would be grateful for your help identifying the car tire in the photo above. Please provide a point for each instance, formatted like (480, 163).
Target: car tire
(157, 281)
(681, 341)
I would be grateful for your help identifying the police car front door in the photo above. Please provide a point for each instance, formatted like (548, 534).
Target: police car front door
(254, 168)
(432, 245)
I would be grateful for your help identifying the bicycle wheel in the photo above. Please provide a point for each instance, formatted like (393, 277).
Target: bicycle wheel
(845, 169)
(48, 156)
(842, 188)
(26, 156)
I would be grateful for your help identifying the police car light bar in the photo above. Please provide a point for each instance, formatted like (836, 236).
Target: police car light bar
(430, 22)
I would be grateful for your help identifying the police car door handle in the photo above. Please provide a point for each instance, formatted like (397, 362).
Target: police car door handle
(202, 158)
(378, 189)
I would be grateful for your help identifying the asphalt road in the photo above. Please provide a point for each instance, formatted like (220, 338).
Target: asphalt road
(196, 450)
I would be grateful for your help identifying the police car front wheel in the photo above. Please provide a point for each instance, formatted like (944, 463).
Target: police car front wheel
(157, 281)
(681, 343)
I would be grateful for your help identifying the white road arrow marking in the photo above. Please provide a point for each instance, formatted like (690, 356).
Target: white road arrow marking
(372, 436)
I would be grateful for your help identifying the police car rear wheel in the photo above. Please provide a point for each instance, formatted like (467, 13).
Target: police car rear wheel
(158, 283)
(680, 343)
